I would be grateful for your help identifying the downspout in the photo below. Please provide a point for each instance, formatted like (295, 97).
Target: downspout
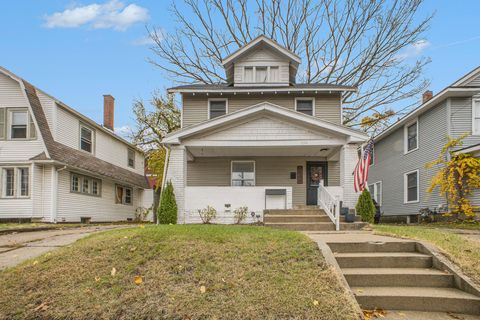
(55, 172)
(164, 177)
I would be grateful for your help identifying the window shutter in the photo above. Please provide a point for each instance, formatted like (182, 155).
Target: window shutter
(2, 123)
(33, 132)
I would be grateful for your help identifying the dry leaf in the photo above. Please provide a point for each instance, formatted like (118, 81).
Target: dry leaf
(35, 262)
(203, 289)
(133, 249)
(97, 279)
(315, 302)
(125, 237)
(113, 272)
(42, 307)
(142, 226)
(138, 280)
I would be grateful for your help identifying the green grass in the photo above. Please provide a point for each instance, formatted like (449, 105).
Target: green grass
(468, 225)
(462, 251)
(248, 273)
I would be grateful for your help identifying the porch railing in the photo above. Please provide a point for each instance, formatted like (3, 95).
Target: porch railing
(330, 204)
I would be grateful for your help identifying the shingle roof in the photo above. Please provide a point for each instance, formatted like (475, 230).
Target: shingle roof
(298, 86)
(72, 157)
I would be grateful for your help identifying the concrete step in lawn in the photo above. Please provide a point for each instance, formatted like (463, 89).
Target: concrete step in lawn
(315, 226)
(383, 260)
(417, 298)
(294, 212)
(398, 246)
(398, 277)
(299, 218)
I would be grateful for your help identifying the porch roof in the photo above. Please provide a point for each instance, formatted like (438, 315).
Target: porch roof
(269, 109)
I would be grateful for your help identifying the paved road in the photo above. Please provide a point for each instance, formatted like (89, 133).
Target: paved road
(18, 247)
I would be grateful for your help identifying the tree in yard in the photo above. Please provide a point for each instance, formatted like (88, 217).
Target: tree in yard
(365, 207)
(457, 177)
(151, 127)
(372, 45)
(167, 211)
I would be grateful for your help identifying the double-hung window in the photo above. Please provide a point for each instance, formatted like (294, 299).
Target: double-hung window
(476, 117)
(15, 182)
(376, 191)
(411, 137)
(217, 107)
(131, 158)
(411, 187)
(16, 124)
(85, 185)
(243, 173)
(305, 105)
(123, 195)
(86, 138)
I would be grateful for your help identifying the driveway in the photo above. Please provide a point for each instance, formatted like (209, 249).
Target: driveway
(18, 247)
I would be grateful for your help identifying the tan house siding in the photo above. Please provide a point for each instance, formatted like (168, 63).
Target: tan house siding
(195, 107)
(269, 171)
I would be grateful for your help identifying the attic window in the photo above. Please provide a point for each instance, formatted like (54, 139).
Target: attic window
(261, 74)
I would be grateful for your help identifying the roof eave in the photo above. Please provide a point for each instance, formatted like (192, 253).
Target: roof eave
(276, 89)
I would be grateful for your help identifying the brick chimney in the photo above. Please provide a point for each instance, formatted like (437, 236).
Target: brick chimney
(108, 111)
(427, 95)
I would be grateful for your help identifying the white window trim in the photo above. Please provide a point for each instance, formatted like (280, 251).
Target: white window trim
(254, 172)
(134, 158)
(16, 182)
(82, 125)
(374, 191)
(123, 203)
(405, 137)
(306, 98)
(474, 133)
(405, 185)
(81, 178)
(254, 73)
(217, 99)
(8, 124)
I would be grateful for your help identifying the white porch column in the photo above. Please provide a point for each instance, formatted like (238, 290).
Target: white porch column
(348, 160)
(177, 174)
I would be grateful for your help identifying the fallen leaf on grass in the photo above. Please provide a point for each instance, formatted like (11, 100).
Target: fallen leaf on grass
(113, 272)
(35, 262)
(142, 226)
(203, 289)
(133, 249)
(42, 307)
(138, 280)
(373, 314)
(97, 279)
(315, 302)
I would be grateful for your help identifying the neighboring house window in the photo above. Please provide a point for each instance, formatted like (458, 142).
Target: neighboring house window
(476, 117)
(86, 138)
(411, 188)
(243, 173)
(85, 185)
(305, 105)
(15, 182)
(411, 137)
(123, 195)
(131, 158)
(261, 74)
(16, 124)
(217, 107)
(376, 192)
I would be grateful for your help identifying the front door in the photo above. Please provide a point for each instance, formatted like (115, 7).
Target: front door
(316, 171)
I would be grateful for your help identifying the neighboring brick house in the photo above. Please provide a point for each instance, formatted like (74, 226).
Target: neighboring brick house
(56, 165)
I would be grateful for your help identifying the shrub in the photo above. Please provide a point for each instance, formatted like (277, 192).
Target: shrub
(240, 214)
(365, 207)
(207, 214)
(167, 211)
(141, 214)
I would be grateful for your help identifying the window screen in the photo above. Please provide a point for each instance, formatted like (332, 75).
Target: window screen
(217, 108)
(19, 125)
(305, 106)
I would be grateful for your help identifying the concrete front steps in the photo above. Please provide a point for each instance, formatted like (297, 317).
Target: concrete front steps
(305, 219)
(396, 276)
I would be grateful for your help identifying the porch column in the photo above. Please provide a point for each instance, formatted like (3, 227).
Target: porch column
(177, 174)
(348, 160)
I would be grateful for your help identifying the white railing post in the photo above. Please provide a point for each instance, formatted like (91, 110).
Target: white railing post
(330, 204)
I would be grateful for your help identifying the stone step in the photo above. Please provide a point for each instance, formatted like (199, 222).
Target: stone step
(383, 260)
(352, 225)
(395, 246)
(397, 277)
(417, 298)
(299, 218)
(303, 226)
(294, 212)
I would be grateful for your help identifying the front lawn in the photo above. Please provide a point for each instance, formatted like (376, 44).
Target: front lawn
(178, 272)
(462, 251)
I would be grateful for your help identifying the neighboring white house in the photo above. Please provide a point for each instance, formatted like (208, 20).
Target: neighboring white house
(57, 165)
(261, 140)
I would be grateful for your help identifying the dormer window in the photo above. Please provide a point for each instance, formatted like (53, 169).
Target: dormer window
(262, 74)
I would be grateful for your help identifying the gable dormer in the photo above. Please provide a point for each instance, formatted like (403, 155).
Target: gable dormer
(261, 62)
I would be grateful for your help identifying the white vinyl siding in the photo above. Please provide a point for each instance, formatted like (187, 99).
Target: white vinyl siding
(476, 116)
(411, 187)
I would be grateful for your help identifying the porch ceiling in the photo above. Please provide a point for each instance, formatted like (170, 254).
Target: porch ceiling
(307, 151)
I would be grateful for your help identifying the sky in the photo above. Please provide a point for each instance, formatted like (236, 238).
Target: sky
(79, 50)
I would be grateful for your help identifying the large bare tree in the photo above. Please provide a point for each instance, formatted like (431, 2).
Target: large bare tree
(363, 43)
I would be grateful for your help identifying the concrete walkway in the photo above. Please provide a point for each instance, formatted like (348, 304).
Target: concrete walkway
(18, 247)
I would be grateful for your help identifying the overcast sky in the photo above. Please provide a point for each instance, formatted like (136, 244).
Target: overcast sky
(79, 50)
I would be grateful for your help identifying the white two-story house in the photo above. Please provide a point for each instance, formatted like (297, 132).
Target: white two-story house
(57, 165)
(261, 140)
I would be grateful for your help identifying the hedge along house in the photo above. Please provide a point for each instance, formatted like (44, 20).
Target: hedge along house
(56, 165)
(260, 140)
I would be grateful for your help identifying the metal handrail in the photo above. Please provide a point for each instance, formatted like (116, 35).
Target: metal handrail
(330, 204)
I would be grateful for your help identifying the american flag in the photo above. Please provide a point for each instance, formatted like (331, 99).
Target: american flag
(360, 175)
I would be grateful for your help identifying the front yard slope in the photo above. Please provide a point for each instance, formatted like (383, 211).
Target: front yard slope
(178, 272)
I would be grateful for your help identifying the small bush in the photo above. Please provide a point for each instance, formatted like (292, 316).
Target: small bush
(167, 212)
(141, 214)
(365, 207)
(240, 214)
(207, 214)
